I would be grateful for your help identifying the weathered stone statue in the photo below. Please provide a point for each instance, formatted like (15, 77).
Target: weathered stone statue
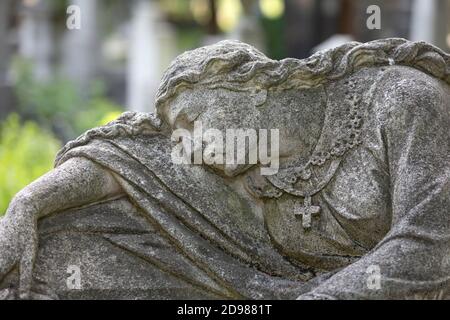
(359, 207)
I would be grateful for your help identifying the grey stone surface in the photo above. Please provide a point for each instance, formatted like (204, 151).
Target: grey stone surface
(364, 149)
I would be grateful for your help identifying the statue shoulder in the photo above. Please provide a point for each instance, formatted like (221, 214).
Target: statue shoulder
(406, 95)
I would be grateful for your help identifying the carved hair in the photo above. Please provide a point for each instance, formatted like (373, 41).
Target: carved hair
(236, 65)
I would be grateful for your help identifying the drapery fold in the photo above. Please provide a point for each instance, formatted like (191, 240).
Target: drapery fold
(205, 220)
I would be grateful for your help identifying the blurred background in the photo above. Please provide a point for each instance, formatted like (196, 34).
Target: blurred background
(56, 82)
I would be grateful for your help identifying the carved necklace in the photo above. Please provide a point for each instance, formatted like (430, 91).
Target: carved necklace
(286, 180)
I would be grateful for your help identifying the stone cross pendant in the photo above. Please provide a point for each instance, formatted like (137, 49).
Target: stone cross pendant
(306, 211)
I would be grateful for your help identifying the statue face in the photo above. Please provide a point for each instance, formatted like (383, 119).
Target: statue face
(218, 110)
(223, 109)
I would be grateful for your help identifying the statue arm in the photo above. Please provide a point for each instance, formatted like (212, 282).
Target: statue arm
(413, 260)
(76, 182)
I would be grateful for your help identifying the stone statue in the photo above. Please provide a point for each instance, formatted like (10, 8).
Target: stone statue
(358, 209)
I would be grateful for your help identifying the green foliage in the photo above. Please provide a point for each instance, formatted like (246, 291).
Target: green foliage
(189, 38)
(56, 105)
(26, 153)
(96, 110)
(276, 44)
(49, 103)
(27, 149)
